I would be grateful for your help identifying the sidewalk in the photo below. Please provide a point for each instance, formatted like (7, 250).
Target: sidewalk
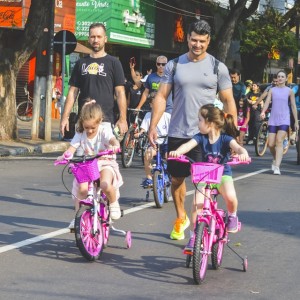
(26, 146)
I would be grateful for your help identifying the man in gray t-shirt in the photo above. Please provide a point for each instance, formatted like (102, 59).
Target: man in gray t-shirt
(196, 81)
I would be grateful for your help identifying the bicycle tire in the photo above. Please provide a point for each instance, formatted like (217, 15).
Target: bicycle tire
(128, 148)
(167, 187)
(90, 246)
(218, 249)
(24, 111)
(201, 252)
(261, 142)
(158, 188)
(298, 146)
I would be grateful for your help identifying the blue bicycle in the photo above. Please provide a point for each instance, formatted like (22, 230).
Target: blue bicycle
(161, 178)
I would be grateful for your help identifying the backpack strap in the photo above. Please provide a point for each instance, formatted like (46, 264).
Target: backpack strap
(216, 66)
(175, 62)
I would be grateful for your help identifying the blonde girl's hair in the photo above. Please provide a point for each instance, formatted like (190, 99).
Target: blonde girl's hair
(89, 111)
(222, 121)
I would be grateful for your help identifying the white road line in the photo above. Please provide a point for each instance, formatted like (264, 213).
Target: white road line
(126, 212)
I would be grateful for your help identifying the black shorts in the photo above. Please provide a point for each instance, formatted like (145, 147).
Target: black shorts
(178, 169)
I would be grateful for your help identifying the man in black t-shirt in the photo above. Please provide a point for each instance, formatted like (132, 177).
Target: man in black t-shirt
(98, 76)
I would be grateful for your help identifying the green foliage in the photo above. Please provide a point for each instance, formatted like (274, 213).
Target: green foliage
(267, 30)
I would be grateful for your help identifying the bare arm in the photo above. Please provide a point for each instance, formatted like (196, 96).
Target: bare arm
(132, 72)
(143, 98)
(72, 95)
(226, 97)
(184, 148)
(121, 100)
(241, 151)
(294, 109)
(260, 99)
(158, 107)
(266, 105)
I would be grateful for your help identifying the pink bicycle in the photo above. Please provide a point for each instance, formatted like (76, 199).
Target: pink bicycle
(210, 232)
(92, 221)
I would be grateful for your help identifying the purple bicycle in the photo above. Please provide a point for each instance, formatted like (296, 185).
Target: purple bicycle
(92, 220)
(210, 231)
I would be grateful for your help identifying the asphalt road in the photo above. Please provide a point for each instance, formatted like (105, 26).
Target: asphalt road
(39, 258)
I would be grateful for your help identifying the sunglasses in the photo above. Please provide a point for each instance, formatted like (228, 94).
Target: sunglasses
(161, 64)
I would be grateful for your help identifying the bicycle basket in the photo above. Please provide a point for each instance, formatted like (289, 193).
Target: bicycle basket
(87, 171)
(206, 172)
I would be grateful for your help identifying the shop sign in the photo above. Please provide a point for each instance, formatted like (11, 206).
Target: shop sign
(127, 22)
(11, 13)
(14, 13)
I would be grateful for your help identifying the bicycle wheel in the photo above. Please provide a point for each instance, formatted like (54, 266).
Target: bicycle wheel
(167, 187)
(286, 143)
(90, 245)
(262, 139)
(298, 147)
(201, 252)
(24, 111)
(128, 148)
(158, 188)
(218, 249)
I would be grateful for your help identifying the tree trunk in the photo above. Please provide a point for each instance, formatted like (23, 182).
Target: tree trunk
(225, 34)
(16, 46)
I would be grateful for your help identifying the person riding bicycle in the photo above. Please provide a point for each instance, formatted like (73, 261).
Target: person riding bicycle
(217, 141)
(93, 137)
(162, 129)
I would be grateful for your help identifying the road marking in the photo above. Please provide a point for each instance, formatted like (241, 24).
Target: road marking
(126, 212)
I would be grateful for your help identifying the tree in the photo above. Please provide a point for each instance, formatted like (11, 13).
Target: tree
(237, 12)
(262, 36)
(13, 55)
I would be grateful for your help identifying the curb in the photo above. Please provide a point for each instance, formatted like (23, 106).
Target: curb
(25, 149)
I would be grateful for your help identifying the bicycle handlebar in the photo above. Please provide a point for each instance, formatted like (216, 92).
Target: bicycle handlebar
(138, 110)
(234, 161)
(84, 158)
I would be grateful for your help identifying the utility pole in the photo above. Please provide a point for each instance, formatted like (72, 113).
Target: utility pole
(49, 74)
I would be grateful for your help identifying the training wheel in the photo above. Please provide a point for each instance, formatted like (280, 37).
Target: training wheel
(188, 260)
(128, 239)
(245, 264)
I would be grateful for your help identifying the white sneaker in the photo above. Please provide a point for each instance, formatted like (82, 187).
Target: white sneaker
(273, 165)
(115, 211)
(276, 171)
(72, 225)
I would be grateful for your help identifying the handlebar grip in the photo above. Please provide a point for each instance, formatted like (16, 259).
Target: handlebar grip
(60, 162)
(181, 158)
(236, 161)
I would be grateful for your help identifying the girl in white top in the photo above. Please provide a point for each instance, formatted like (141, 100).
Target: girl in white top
(94, 137)
(162, 130)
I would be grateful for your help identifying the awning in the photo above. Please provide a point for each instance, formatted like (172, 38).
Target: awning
(82, 49)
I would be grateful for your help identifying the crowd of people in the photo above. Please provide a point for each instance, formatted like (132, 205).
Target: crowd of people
(181, 96)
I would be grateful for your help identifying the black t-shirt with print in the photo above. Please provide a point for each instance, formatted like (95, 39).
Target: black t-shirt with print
(96, 78)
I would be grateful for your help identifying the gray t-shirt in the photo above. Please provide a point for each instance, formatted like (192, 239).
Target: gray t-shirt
(195, 85)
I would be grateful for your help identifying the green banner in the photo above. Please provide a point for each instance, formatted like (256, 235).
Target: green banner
(129, 22)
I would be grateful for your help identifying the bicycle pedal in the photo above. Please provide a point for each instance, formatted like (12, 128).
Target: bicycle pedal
(188, 252)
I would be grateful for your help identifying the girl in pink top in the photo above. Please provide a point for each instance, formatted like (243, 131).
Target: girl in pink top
(279, 121)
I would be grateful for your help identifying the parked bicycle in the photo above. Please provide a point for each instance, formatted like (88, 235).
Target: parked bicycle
(261, 142)
(92, 221)
(210, 232)
(25, 108)
(161, 178)
(132, 145)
